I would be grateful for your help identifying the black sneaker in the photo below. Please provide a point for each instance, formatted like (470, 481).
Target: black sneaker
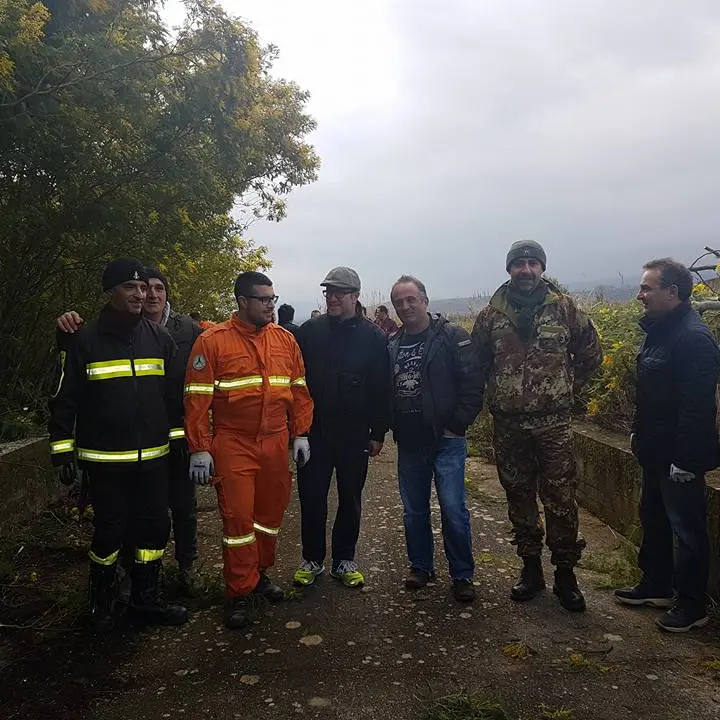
(417, 579)
(643, 595)
(682, 617)
(236, 613)
(463, 591)
(267, 589)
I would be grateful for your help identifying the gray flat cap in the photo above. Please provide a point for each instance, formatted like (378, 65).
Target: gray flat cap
(344, 278)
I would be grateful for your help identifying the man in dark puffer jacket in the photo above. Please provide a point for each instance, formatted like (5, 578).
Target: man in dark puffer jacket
(675, 440)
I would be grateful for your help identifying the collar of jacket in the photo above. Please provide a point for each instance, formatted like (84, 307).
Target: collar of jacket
(246, 328)
(343, 323)
(663, 324)
(114, 322)
(500, 300)
(167, 312)
(437, 323)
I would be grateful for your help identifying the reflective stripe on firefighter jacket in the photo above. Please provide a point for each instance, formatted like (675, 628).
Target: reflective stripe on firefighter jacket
(118, 394)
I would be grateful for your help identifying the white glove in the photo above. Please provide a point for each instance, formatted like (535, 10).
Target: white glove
(301, 450)
(202, 467)
(679, 475)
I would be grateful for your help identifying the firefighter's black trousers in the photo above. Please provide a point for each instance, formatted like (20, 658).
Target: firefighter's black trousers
(129, 506)
(183, 505)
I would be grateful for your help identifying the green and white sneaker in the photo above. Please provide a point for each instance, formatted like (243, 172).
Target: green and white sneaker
(347, 571)
(307, 572)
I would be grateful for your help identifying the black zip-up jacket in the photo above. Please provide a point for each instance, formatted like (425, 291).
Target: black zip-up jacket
(184, 331)
(452, 385)
(346, 372)
(117, 395)
(677, 374)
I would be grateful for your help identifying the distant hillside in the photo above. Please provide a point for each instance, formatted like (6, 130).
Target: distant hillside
(458, 306)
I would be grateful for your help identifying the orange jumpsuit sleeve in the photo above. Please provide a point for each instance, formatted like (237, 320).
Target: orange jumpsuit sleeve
(302, 411)
(199, 391)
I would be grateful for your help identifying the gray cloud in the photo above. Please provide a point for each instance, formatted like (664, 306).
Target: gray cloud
(591, 127)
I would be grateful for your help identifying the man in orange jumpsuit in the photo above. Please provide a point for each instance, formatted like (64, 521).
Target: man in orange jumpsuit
(249, 372)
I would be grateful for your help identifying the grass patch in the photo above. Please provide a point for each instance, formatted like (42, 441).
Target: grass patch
(618, 566)
(578, 662)
(548, 713)
(712, 664)
(467, 707)
(517, 651)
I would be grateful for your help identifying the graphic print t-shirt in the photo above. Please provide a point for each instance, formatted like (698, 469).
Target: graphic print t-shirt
(407, 379)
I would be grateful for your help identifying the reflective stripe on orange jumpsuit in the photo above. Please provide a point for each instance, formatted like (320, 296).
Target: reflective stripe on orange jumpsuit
(254, 383)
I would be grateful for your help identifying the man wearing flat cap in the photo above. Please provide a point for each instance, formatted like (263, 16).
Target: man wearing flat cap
(537, 350)
(346, 365)
(115, 403)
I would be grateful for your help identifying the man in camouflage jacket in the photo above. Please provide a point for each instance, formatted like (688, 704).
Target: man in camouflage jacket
(537, 351)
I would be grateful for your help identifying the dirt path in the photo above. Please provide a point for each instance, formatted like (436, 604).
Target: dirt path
(382, 652)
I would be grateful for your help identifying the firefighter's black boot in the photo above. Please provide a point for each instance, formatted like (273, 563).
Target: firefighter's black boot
(566, 588)
(102, 597)
(531, 580)
(146, 601)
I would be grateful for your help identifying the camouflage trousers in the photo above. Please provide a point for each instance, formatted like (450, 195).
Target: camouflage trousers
(540, 461)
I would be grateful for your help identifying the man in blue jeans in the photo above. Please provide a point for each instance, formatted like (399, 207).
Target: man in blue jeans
(675, 441)
(437, 394)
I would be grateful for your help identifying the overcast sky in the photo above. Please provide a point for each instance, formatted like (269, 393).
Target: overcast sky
(448, 129)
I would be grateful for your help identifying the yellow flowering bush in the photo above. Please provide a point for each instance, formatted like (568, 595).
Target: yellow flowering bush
(611, 392)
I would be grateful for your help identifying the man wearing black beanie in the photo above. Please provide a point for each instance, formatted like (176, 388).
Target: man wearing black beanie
(182, 499)
(537, 350)
(116, 400)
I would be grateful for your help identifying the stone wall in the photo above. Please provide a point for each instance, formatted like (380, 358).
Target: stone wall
(27, 482)
(610, 483)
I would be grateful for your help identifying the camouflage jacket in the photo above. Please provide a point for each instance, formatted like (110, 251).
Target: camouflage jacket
(538, 380)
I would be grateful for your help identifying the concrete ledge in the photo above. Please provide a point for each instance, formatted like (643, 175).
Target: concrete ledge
(27, 482)
(610, 483)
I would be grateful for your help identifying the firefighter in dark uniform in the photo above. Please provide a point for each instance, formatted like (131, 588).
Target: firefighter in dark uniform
(182, 499)
(113, 409)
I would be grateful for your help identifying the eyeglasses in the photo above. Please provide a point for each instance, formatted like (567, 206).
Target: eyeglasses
(337, 294)
(266, 300)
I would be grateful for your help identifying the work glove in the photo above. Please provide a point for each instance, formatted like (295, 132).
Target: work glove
(680, 476)
(202, 468)
(301, 451)
(67, 473)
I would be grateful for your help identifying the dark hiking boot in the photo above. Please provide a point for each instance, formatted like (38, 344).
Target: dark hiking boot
(103, 586)
(191, 582)
(237, 613)
(641, 594)
(531, 580)
(463, 591)
(566, 588)
(683, 617)
(267, 589)
(146, 603)
(418, 579)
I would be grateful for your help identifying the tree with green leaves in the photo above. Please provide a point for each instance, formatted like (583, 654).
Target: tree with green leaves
(118, 137)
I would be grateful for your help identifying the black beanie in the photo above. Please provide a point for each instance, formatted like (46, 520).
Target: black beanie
(157, 273)
(526, 249)
(122, 270)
